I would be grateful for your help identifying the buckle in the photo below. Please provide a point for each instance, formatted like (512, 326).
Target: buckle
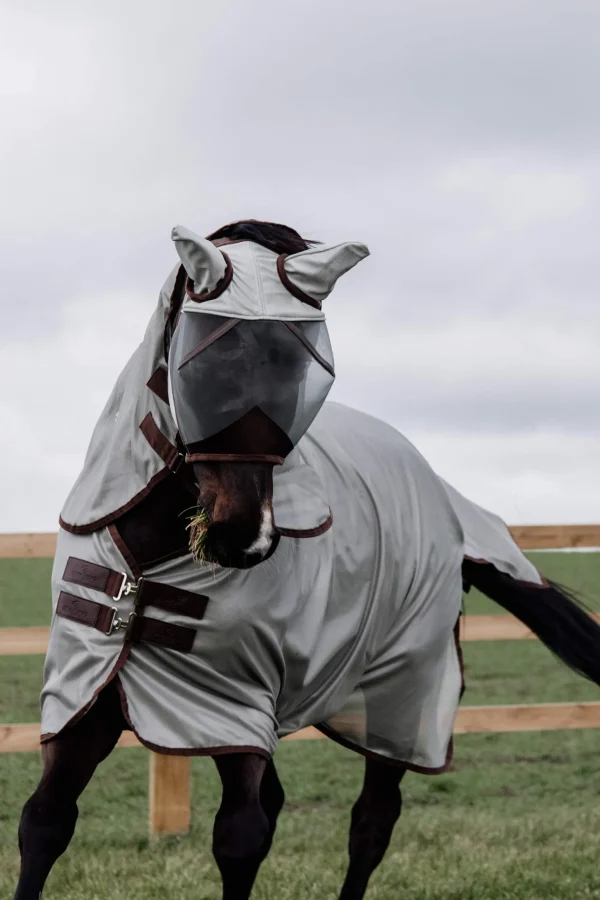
(118, 624)
(127, 587)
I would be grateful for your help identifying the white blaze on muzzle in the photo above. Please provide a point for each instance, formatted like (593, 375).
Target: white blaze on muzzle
(252, 336)
(262, 544)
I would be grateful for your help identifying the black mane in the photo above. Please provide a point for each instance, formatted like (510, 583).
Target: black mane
(279, 238)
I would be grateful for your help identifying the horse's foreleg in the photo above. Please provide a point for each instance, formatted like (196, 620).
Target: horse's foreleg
(272, 798)
(245, 822)
(373, 818)
(49, 816)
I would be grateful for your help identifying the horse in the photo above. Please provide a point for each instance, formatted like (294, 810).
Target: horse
(302, 563)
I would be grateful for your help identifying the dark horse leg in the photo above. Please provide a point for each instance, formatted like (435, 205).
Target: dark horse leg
(69, 761)
(246, 820)
(373, 818)
(272, 798)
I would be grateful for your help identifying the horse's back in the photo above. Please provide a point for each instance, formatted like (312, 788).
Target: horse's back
(393, 521)
(360, 459)
(375, 451)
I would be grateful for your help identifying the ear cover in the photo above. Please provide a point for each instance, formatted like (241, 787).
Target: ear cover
(316, 271)
(203, 262)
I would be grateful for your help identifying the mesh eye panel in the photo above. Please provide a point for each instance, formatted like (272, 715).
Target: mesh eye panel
(220, 369)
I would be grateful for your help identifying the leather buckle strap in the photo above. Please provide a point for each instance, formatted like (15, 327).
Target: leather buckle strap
(155, 631)
(86, 611)
(147, 593)
(137, 628)
(171, 599)
(98, 578)
(235, 457)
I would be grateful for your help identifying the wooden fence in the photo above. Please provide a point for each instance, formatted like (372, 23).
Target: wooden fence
(528, 537)
(169, 785)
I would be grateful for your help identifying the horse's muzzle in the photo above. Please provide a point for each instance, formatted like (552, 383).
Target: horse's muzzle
(225, 545)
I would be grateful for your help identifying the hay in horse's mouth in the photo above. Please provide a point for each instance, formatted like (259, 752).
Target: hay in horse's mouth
(198, 526)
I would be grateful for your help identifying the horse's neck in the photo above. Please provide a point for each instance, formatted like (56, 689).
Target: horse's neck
(155, 528)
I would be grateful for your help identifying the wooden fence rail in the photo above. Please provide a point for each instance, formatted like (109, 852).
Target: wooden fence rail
(31, 641)
(469, 720)
(169, 786)
(528, 537)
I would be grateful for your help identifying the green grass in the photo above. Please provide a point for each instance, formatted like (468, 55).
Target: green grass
(25, 592)
(578, 571)
(25, 586)
(517, 819)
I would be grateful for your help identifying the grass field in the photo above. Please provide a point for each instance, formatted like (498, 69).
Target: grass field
(519, 817)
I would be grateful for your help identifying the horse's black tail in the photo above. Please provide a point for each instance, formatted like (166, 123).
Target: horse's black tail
(552, 612)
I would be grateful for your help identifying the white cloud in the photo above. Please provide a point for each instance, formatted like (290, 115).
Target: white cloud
(518, 198)
(446, 136)
(544, 477)
(55, 387)
(467, 395)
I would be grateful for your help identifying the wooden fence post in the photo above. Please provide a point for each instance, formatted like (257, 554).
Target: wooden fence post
(170, 810)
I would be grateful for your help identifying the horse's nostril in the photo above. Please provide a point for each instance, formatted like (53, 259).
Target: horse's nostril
(231, 547)
(224, 545)
(218, 542)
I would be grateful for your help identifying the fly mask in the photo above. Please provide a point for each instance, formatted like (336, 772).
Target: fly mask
(250, 365)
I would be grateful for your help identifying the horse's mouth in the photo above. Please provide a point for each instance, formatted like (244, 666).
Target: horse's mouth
(228, 557)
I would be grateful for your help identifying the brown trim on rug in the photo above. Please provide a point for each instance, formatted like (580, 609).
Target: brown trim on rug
(296, 292)
(411, 767)
(159, 384)
(164, 449)
(545, 582)
(235, 457)
(219, 288)
(307, 532)
(486, 562)
(461, 661)
(184, 751)
(378, 757)
(214, 336)
(125, 551)
(110, 517)
(161, 445)
(302, 337)
(120, 662)
(174, 306)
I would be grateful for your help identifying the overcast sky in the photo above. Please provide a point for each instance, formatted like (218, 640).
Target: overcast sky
(460, 141)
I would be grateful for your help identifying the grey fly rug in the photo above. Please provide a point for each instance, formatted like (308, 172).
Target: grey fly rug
(350, 626)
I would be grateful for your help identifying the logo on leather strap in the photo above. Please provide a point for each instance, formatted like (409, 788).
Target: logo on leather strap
(77, 612)
(79, 571)
(82, 610)
(85, 572)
